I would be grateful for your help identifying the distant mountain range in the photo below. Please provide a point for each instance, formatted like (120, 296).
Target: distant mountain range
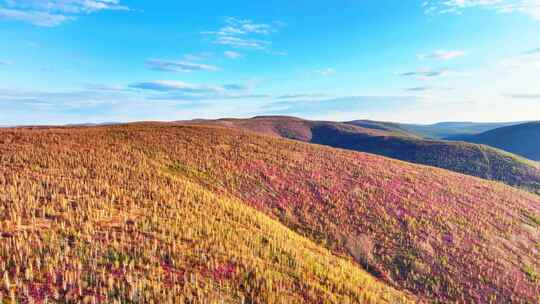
(442, 130)
(522, 139)
(392, 140)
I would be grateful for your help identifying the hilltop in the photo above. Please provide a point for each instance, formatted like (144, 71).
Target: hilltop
(153, 211)
(391, 141)
(96, 215)
(522, 139)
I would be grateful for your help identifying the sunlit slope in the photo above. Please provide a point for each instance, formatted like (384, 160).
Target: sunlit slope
(104, 215)
(391, 141)
(444, 236)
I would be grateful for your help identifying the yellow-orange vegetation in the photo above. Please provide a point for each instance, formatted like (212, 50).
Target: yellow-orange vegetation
(87, 217)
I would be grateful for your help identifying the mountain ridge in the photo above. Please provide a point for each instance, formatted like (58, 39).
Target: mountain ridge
(472, 159)
(441, 130)
(521, 139)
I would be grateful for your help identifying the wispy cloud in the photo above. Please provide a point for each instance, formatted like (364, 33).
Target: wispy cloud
(527, 59)
(235, 87)
(209, 97)
(37, 18)
(5, 62)
(179, 90)
(523, 96)
(68, 99)
(35, 107)
(244, 33)
(176, 86)
(344, 107)
(302, 96)
(179, 66)
(326, 72)
(235, 27)
(66, 6)
(427, 88)
(419, 89)
(232, 54)
(197, 57)
(105, 87)
(425, 73)
(53, 12)
(239, 42)
(532, 52)
(528, 7)
(162, 100)
(180, 86)
(443, 55)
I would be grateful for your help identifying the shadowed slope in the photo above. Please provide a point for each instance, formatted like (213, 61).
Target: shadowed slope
(444, 236)
(97, 216)
(523, 139)
(440, 130)
(390, 141)
(386, 126)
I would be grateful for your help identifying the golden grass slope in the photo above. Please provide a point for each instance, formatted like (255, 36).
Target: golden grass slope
(446, 237)
(91, 215)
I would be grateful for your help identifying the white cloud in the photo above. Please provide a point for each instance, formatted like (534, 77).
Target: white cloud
(97, 103)
(419, 89)
(105, 87)
(180, 86)
(528, 59)
(166, 90)
(532, 52)
(327, 72)
(175, 86)
(53, 12)
(170, 90)
(69, 99)
(443, 55)
(208, 97)
(528, 7)
(198, 57)
(66, 6)
(232, 54)
(44, 19)
(425, 73)
(501, 91)
(244, 33)
(179, 66)
(427, 88)
(238, 42)
(302, 96)
(235, 27)
(523, 96)
(5, 62)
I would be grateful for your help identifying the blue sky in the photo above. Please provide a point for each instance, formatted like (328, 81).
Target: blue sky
(74, 61)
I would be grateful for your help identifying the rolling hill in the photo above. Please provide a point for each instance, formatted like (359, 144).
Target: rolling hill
(93, 215)
(442, 130)
(184, 213)
(522, 139)
(390, 141)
